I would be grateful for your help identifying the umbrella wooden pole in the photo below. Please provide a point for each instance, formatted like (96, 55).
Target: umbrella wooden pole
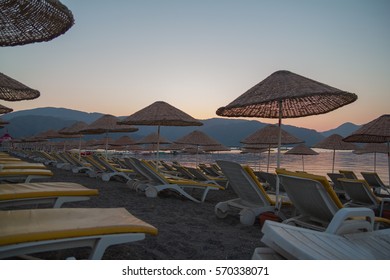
(269, 153)
(80, 147)
(374, 161)
(334, 156)
(260, 162)
(277, 204)
(388, 159)
(158, 147)
(197, 154)
(303, 164)
(106, 144)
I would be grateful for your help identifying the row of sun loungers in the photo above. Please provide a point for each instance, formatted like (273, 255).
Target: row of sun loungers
(315, 200)
(27, 231)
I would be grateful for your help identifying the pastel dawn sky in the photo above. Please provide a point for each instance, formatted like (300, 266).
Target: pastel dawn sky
(122, 55)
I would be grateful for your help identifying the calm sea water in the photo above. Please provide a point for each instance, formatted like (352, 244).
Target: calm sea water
(318, 164)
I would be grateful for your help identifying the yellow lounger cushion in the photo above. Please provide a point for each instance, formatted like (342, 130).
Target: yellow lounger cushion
(270, 197)
(19, 226)
(25, 172)
(8, 159)
(47, 189)
(22, 165)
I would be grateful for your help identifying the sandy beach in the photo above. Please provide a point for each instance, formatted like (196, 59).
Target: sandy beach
(187, 230)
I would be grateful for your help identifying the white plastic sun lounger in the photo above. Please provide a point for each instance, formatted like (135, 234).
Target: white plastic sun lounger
(157, 182)
(375, 182)
(53, 193)
(314, 199)
(343, 239)
(25, 175)
(252, 198)
(24, 232)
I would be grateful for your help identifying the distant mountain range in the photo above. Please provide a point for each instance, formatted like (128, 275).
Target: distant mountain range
(229, 132)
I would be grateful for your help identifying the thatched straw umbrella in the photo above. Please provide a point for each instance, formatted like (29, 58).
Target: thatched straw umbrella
(286, 95)
(12, 90)
(302, 150)
(153, 141)
(107, 124)
(125, 143)
(334, 142)
(53, 134)
(29, 21)
(376, 131)
(160, 114)
(372, 148)
(198, 139)
(269, 136)
(75, 129)
(4, 110)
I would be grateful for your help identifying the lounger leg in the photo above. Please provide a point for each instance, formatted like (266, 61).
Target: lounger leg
(105, 241)
(61, 200)
(154, 190)
(205, 194)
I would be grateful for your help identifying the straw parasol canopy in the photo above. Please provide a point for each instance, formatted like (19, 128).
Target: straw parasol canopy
(286, 95)
(12, 90)
(125, 143)
(334, 142)
(254, 149)
(268, 137)
(198, 139)
(5, 110)
(160, 114)
(74, 129)
(216, 148)
(107, 124)
(50, 134)
(302, 150)
(153, 138)
(375, 131)
(29, 21)
(295, 95)
(372, 148)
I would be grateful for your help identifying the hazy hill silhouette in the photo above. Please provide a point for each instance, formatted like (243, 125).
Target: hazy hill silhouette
(225, 130)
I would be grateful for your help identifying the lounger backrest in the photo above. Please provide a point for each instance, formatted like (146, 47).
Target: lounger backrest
(321, 179)
(310, 198)
(136, 166)
(104, 163)
(271, 180)
(348, 174)
(96, 165)
(359, 192)
(185, 172)
(148, 171)
(244, 184)
(197, 174)
(336, 184)
(373, 179)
